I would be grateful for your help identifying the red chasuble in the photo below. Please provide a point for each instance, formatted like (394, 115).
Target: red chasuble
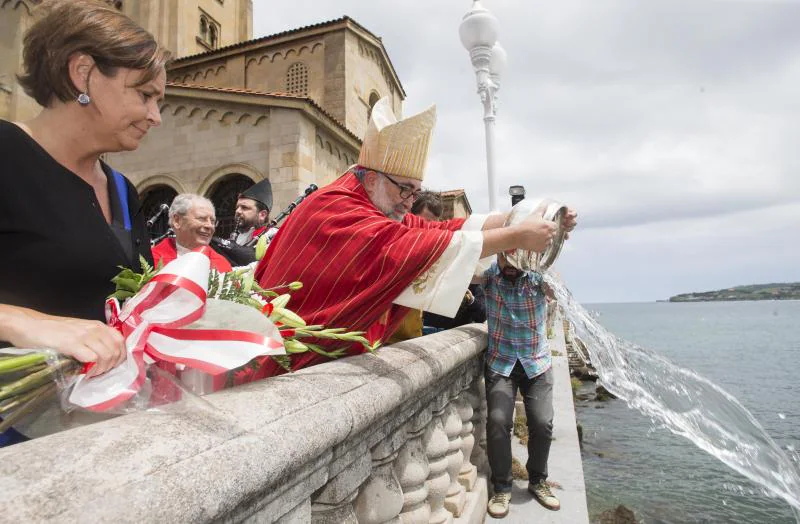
(167, 251)
(353, 262)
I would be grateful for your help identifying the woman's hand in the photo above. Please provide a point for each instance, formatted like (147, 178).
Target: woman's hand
(83, 340)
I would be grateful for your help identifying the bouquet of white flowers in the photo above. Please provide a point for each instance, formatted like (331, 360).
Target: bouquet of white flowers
(187, 328)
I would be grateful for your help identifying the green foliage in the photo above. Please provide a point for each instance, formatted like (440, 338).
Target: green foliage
(128, 282)
(787, 291)
(233, 287)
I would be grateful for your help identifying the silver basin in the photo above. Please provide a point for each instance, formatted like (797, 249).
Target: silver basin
(549, 210)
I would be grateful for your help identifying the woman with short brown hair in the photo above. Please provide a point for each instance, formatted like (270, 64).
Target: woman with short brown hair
(68, 220)
(68, 28)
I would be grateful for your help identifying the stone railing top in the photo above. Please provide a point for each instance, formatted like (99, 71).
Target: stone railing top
(219, 455)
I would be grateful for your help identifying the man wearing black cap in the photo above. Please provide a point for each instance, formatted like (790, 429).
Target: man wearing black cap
(252, 217)
(252, 213)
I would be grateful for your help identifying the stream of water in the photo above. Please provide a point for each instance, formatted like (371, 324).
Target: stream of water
(687, 404)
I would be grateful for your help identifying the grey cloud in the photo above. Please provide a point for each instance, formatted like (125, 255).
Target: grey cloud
(637, 113)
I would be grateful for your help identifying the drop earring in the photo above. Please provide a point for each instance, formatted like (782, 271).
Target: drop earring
(83, 99)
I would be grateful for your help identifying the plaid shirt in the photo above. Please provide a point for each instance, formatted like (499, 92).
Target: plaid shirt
(515, 312)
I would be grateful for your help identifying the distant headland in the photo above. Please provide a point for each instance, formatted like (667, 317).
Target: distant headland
(789, 291)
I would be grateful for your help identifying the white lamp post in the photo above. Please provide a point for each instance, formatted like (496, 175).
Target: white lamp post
(478, 32)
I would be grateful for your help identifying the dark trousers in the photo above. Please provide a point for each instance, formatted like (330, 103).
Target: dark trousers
(537, 395)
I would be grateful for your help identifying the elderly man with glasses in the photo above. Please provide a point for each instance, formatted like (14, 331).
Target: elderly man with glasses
(194, 221)
(364, 259)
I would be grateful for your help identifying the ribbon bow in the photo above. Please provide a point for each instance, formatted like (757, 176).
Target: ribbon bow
(154, 322)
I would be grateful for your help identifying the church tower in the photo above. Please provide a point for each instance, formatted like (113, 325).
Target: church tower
(190, 27)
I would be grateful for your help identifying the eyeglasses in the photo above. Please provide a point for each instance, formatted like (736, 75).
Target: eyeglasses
(405, 191)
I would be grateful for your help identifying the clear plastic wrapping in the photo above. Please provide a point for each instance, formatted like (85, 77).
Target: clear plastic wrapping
(179, 343)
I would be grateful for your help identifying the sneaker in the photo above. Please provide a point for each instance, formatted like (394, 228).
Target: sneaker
(541, 492)
(498, 505)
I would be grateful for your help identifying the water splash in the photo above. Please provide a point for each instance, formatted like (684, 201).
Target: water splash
(685, 403)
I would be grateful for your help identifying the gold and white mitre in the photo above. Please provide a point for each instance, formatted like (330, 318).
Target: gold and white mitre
(397, 148)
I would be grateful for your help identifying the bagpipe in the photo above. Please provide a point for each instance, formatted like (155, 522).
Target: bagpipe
(244, 254)
(283, 214)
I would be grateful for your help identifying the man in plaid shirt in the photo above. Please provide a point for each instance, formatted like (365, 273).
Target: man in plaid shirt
(518, 357)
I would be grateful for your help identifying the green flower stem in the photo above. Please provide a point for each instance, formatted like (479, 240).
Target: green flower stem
(334, 334)
(21, 362)
(34, 380)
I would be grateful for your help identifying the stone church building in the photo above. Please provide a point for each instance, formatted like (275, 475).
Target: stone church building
(291, 107)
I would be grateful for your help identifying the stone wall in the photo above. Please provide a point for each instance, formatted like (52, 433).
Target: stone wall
(267, 68)
(368, 76)
(15, 19)
(199, 143)
(175, 24)
(385, 437)
(345, 71)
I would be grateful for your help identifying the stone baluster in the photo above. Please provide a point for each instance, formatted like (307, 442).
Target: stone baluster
(412, 471)
(333, 504)
(478, 400)
(456, 496)
(468, 474)
(380, 499)
(436, 444)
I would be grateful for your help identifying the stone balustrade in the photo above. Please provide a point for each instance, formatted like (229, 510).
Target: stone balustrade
(391, 437)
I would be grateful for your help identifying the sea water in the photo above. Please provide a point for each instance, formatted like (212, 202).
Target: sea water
(720, 375)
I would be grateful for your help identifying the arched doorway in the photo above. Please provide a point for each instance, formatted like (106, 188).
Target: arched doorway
(373, 99)
(224, 195)
(152, 198)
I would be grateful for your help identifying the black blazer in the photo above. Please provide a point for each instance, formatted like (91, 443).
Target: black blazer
(57, 253)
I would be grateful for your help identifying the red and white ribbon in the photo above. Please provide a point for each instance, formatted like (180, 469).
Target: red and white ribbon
(153, 323)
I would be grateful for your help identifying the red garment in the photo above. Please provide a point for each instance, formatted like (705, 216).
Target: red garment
(166, 251)
(353, 262)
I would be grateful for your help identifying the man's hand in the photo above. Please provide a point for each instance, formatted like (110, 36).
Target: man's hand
(569, 221)
(535, 234)
(468, 298)
(84, 340)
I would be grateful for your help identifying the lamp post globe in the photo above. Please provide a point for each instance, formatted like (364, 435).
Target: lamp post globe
(479, 28)
(478, 32)
(497, 64)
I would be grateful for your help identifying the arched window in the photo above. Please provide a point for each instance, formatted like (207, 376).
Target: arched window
(373, 99)
(212, 37)
(203, 27)
(152, 199)
(297, 79)
(224, 195)
(209, 36)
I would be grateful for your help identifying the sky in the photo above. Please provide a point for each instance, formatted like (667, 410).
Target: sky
(671, 126)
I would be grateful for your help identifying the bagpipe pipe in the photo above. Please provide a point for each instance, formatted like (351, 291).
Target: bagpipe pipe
(283, 214)
(244, 254)
(162, 210)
